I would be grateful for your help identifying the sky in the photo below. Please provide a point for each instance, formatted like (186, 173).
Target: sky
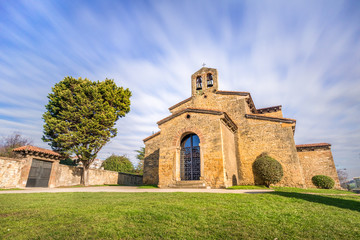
(303, 55)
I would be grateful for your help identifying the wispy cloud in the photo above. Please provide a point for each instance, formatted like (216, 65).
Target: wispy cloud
(304, 56)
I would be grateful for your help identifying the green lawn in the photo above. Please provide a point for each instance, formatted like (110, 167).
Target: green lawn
(280, 214)
(7, 189)
(248, 187)
(312, 190)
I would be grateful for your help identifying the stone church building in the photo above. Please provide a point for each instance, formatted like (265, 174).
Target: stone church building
(212, 138)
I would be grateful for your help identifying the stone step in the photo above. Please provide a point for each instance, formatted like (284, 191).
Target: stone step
(189, 184)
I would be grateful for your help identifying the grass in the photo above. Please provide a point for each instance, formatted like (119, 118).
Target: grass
(311, 190)
(7, 189)
(248, 187)
(148, 186)
(280, 214)
(80, 186)
(295, 190)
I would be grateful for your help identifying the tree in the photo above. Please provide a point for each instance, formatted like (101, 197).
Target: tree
(118, 164)
(81, 115)
(8, 143)
(268, 169)
(343, 176)
(140, 156)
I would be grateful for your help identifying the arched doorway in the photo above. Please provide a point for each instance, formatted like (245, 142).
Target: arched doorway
(190, 158)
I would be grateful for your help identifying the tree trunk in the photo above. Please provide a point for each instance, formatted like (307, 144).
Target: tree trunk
(85, 174)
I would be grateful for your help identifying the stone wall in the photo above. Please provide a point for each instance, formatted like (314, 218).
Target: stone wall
(10, 172)
(317, 161)
(129, 179)
(100, 177)
(208, 130)
(14, 174)
(229, 155)
(276, 139)
(68, 175)
(151, 161)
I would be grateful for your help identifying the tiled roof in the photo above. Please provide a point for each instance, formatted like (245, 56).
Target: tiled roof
(36, 149)
(232, 93)
(313, 145)
(268, 109)
(274, 119)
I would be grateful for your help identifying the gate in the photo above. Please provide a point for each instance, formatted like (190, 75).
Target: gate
(39, 174)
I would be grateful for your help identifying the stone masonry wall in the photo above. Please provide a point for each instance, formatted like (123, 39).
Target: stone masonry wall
(100, 177)
(229, 154)
(151, 161)
(14, 173)
(70, 176)
(276, 139)
(207, 127)
(67, 175)
(10, 172)
(318, 162)
(277, 114)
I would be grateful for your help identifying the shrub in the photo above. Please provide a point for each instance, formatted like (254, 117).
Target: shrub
(68, 162)
(268, 169)
(322, 181)
(118, 164)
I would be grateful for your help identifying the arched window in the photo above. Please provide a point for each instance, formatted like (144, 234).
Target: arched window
(210, 81)
(190, 158)
(198, 82)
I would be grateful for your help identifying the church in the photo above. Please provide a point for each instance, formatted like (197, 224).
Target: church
(211, 139)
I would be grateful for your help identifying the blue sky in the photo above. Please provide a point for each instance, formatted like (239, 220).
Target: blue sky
(304, 55)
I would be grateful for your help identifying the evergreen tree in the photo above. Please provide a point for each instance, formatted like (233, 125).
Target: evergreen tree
(140, 156)
(81, 115)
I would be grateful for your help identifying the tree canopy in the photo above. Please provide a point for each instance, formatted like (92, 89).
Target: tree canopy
(118, 164)
(140, 156)
(81, 115)
(8, 143)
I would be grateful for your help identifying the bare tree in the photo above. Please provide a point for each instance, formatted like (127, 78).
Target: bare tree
(8, 143)
(343, 176)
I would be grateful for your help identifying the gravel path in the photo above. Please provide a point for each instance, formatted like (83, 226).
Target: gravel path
(129, 189)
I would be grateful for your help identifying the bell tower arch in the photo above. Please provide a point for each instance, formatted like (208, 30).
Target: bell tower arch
(204, 80)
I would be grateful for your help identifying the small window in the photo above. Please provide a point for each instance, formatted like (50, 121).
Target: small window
(198, 82)
(210, 81)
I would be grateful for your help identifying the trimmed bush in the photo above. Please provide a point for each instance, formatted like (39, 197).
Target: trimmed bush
(268, 169)
(322, 181)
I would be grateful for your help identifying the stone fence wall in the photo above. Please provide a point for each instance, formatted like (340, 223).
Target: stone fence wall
(14, 174)
(130, 179)
(10, 172)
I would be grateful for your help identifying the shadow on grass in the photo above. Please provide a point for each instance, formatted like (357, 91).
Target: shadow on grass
(331, 201)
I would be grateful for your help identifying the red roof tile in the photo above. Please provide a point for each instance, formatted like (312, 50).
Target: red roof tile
(313, 145)
(36, 149)
(275, 119)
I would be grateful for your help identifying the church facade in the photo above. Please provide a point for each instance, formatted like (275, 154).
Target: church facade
(212, 138)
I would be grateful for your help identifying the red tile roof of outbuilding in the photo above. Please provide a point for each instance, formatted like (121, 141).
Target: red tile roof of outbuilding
(36, 149)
